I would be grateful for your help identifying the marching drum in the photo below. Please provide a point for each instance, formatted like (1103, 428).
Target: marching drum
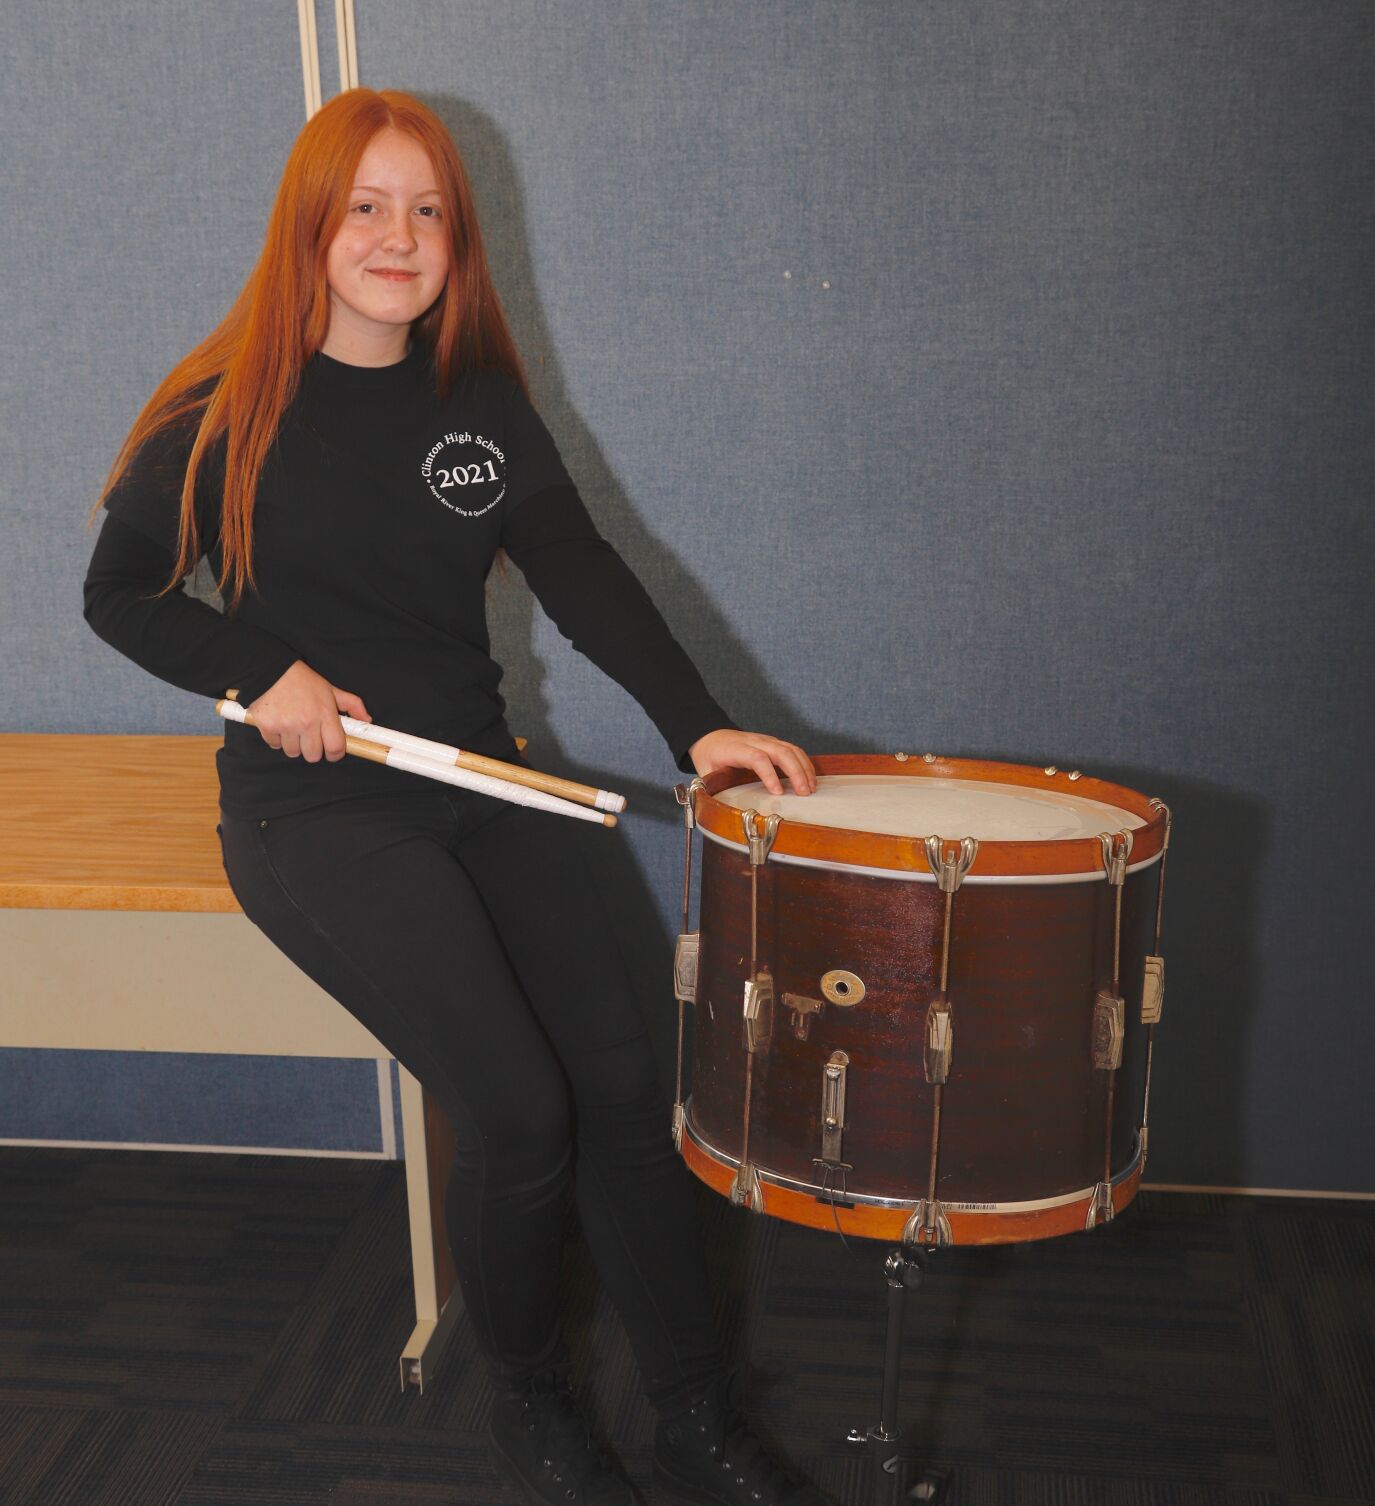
(924, 997)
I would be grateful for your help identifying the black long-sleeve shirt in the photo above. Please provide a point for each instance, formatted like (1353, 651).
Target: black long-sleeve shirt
(377, 518)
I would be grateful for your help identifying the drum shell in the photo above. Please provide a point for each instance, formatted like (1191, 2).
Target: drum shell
(1023, 1111)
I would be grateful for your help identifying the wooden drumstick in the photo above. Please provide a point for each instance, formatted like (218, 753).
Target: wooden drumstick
(551, 784)
(445, 773)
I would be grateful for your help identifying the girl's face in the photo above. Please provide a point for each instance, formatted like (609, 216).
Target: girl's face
(388, 262)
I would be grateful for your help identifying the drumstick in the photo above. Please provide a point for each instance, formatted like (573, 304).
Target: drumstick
(418, 763)
(551, 784)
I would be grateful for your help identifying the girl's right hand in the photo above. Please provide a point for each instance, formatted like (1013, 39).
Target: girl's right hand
(299, 714)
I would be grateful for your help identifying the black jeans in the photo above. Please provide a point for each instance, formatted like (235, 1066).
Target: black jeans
(466, 934)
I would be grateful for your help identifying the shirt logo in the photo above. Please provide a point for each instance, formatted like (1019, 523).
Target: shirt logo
(465, 472)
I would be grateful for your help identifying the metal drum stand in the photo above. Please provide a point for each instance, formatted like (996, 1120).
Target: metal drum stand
(898, 1476)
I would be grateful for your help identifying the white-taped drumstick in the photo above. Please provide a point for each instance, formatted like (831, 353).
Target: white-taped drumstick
(445, 773)
(551, 784)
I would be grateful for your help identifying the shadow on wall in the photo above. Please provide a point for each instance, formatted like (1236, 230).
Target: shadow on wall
(496, 184)
(510, 607)
(1219, 844)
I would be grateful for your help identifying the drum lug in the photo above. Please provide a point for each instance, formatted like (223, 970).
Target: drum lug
(1101, 1210)
(833, 1106)
(940, 1039)
(686, 953)
(1109, 1022)
(803, 1009)
(927, 1233)
(679, 1119)
(758, 1010)
(1153, 991)
(746, 1191)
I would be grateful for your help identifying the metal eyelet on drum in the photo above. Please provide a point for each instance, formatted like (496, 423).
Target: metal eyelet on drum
(843, 988)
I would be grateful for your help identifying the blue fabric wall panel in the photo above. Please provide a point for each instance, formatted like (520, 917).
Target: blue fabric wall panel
(1069, 462)
(143, 146)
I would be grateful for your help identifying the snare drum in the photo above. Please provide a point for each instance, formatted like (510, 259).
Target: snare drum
(924, 997)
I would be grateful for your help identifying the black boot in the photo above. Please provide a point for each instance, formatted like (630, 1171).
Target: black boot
(709, 1454)
(544, 1447)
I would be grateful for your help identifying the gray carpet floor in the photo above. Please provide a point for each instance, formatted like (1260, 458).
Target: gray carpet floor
(223, 1330)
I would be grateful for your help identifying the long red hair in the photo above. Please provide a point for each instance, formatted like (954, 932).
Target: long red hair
(240, 378)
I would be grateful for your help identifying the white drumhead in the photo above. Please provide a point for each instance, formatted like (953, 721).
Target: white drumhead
(899, 806)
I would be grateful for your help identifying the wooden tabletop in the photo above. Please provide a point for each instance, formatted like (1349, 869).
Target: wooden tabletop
(95, 821)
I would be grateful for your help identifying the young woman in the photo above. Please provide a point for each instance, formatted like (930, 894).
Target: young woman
(350, 448)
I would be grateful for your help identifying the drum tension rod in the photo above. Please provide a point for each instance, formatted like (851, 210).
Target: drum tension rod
(1153, 984)
(928, 1226)
(1109, 1019)
(746, 1190)
(686, 951)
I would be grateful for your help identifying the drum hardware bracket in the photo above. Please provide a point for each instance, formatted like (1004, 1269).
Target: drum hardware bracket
(1109, 1022)
(803, 1009)
(686, 955)
(1117, 846)
(758, 1011)
(746, 1191)
(940, 1039)
(760, 841)
(686, 796)
(833, 1076)
(950, 868)
(927, 1228)
(835, 1197)
(1101, 1210)
(1153, 990)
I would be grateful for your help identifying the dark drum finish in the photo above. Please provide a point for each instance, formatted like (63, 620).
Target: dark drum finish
(1023, 1111)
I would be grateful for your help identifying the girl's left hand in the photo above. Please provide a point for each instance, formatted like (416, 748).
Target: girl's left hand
(728, 749)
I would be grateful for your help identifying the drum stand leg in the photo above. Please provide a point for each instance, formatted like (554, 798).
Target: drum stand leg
(898, 1476)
